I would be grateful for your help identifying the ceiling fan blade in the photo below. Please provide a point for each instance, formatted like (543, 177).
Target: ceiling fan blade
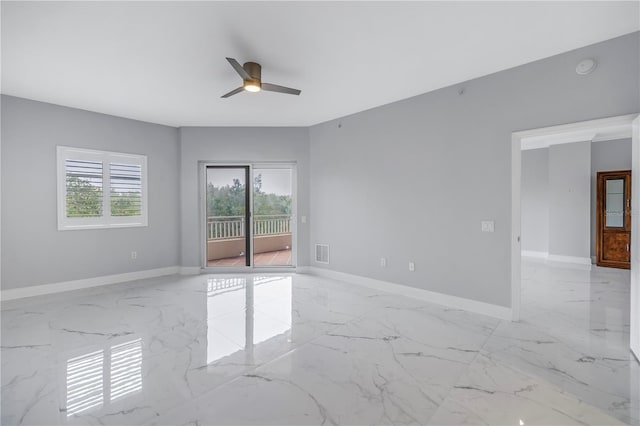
(280, 89)
(233, 92)
(236, 66)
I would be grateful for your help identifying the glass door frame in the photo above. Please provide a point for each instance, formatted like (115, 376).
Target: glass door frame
(203, 165)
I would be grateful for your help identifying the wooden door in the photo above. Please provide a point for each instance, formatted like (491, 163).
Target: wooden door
(613, 219)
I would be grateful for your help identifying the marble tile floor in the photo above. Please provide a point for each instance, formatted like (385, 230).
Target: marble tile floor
(303, 350)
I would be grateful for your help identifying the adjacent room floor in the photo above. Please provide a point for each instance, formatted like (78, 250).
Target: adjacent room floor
(297, 349)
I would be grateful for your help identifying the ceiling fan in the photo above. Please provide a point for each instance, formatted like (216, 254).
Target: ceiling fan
(252, 80)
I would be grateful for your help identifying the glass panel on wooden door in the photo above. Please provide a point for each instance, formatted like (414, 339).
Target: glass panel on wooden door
(272, 212)
(615, 200)
(227, 216)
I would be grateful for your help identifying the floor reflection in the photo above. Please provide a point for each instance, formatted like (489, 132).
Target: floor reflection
(126, 369)
(90, 384)
(85, 388)
(272, 299)
(243, 312)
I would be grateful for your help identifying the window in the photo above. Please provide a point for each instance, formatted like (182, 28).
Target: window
(99, 189)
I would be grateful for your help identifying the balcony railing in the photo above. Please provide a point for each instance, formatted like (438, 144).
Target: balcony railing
(227, 227)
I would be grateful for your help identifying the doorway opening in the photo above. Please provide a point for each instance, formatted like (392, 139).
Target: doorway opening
(595, 130)
(249, 216)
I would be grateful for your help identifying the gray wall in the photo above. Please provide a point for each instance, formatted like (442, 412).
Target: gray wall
(606, 156)
(412, 180)
(33, 250)
(238, 145)
(535, 200)
(570, 199)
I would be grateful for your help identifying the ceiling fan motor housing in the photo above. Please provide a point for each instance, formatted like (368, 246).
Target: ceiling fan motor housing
(254, 70)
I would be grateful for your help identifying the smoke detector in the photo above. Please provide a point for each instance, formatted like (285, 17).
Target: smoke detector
(586, 66)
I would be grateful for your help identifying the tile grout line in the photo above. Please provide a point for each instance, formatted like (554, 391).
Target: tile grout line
(466, 369)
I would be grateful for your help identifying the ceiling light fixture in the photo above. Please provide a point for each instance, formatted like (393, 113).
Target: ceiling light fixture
(252, 86)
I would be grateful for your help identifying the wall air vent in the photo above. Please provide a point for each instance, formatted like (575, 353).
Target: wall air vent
(322, 253)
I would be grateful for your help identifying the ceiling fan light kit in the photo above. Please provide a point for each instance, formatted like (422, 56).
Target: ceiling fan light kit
(251, 73)
(252, 86)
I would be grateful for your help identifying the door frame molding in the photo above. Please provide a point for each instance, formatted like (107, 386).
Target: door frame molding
(202, 199)
(610, 128)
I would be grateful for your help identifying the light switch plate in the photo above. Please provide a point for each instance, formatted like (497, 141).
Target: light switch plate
(487, 226)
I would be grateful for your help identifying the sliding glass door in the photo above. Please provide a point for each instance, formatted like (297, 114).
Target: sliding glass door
(272, 214)
(249, 227)
(228, 216)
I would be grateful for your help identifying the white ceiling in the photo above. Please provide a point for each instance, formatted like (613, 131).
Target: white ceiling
(164, 62)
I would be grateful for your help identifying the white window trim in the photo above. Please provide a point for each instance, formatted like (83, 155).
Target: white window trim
(106, 221)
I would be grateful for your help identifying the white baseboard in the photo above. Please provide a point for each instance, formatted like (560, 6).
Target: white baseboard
(39, 290)
(558, 258)
(570, 259)
(536, 254)
(455, 302)
(190, 270)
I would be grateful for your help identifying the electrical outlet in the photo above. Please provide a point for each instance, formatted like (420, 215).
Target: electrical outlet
(303, 219)
(487, 226)
(134, 255)
(412, 266)
(383, 262)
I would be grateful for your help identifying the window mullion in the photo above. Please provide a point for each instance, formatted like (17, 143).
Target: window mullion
(106, 192)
